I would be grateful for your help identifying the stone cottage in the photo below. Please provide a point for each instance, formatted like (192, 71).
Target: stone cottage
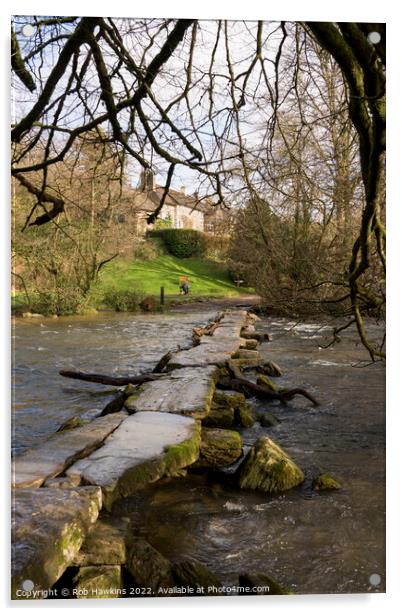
(182, 210)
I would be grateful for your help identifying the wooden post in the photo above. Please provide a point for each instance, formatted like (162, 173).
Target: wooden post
(162, 295)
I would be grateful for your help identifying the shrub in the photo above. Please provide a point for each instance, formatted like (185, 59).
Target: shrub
(216, 247)
(164, 223)
(122, 301)
(61, 302)
(149, 249)
(182, 243)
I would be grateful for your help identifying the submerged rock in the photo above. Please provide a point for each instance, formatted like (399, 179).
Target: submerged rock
(258, 583)
(195, 575)
(267, 467)
(325, 482)
(148, 567)
(267, 419)
(219, 448)
(73, 422)
(100, 582)
(48, 528)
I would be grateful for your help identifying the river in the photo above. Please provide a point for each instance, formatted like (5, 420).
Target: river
(312, 543)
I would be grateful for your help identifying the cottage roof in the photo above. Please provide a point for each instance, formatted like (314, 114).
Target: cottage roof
(148, 200)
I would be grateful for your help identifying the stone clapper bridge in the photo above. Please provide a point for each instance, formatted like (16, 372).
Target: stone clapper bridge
(61, 486)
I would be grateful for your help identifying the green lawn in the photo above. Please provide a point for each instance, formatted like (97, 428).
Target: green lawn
(206, 278)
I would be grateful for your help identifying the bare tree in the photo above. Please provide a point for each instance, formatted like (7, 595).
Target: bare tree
(200, 98)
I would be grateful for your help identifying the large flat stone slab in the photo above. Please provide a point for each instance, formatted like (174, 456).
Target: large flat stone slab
(215, 349)
(49, 459)
(48, 528)
(145, 447)
(188, 391)
(209, 352)
(227, 330)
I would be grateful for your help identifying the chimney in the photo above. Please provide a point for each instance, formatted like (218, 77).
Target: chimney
(147, 180)
(183, 189)
(151, 180)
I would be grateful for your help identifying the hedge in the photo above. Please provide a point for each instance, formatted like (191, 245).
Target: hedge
(182, 243)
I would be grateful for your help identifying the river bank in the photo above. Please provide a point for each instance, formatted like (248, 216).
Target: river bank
(227, 530)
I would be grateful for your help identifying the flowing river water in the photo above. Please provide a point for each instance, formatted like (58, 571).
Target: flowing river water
(310, 542)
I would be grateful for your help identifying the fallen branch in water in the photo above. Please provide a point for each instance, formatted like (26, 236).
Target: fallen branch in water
(162, 363)
(198, 332)
(248, 388)
(109, 380)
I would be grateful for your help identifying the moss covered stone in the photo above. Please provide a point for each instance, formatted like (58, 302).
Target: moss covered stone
(132, 397)
(48, 528)
(250, 343)
(106, 543)
(245, 417)
(267, 467)
(223, 408)
(232, 399)
(219, 448)
(247, 354)
(219, 417)
(258, 583)
(229, 408)
(267, 419)
(145, 447)
(70, 424)
(98, 582)
(266, 382)
(325, 482)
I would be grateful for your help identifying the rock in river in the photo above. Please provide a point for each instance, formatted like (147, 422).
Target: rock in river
(325, 482)
(187, 392)
(219, 448)
(48, 528)
(269, 468)
(106, 543)
(104, 582)
(148, 567)
(145, 447)
(51, 458)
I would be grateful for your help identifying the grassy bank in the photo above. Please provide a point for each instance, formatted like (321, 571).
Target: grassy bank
(206, 278)
(140, 278)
